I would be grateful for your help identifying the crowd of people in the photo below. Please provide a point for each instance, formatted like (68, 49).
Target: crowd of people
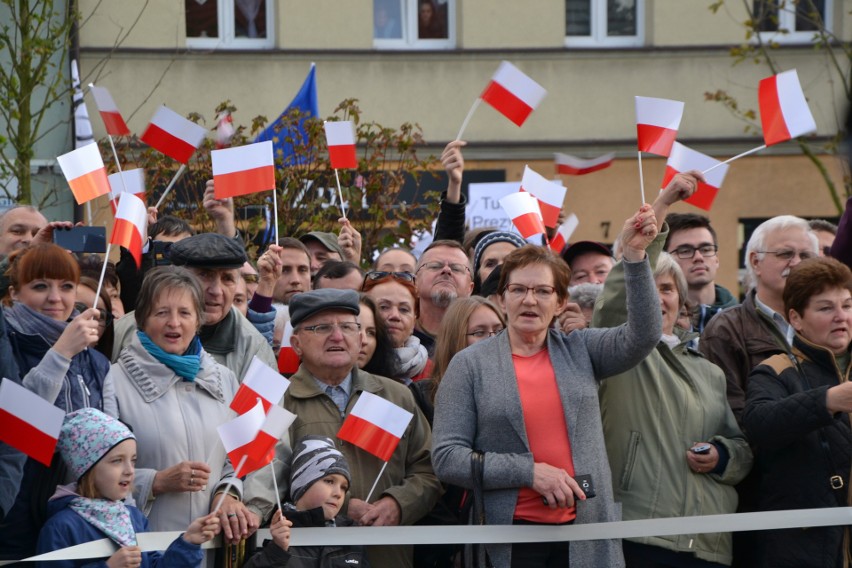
(546, 389)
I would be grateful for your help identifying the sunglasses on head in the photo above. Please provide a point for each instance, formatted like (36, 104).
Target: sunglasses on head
(379, 274)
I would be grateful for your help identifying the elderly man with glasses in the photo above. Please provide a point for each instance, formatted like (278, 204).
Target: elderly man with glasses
(443, 274)
(326, 337)
(693, 244)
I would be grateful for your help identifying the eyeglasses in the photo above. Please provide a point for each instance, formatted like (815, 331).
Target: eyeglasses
(324, 329)
(787, 255)
(437, 266)
(250, 278)
(483, 333)
(540, 292)
(104, 317)
(379, 274)
(688, 251)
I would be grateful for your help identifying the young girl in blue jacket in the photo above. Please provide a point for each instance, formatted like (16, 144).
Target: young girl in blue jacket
(100, 452)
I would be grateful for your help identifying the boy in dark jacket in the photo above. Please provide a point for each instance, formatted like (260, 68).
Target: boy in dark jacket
(319, 480)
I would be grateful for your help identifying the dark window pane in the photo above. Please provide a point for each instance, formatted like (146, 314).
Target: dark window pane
(202, 18)
(432, 19)
(621, 18)
(578, 18)
(766, 15)
(387, 19)
(810, 15)
(249, 18)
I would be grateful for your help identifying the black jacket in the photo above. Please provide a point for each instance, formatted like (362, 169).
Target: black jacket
(331, 556)
(801, 451)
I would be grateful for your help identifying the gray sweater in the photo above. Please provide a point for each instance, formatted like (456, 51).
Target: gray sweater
(478, 407)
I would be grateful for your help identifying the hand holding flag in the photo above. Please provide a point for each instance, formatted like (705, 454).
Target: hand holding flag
(684, 159)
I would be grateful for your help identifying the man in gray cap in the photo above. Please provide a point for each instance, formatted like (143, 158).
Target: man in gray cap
(228, 336)
(322, 247)
(327, 338)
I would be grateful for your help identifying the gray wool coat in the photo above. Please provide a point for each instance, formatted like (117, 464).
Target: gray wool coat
(478, 408)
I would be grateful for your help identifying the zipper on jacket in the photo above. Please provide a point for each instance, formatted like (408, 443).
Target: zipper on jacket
(85, 391)
(630, 461)
(68, 405)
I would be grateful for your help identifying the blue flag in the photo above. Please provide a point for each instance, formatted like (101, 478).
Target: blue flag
(278, 131)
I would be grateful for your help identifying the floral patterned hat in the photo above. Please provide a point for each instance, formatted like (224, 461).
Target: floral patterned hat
(86, 436)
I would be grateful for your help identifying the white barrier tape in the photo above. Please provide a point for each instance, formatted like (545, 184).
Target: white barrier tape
(494, 534)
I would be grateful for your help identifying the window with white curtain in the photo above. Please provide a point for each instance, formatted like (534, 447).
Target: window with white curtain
(791, 21)
(604, 23)
(414, 24)
(229, 24)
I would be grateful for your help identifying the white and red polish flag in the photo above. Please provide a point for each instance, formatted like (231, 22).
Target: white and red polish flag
(173, 135)
(131, 226)
(683, 159)
(243, 170)
(340, 137)
(784, 112)
(288, 361)
(657, 121)
(114, 123)
(224, 130)
(85, 172)
(28, 422)
(512, 93)
(375, 425)
(574, 166)
(525, 213)
(263, 382)
(253, 435)
(131, 180)
(563, 233)
(550, 195)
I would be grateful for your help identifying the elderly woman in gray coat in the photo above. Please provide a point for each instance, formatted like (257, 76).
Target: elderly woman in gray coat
(527, 400)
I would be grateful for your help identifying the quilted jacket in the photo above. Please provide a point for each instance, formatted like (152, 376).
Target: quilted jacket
(786, 420)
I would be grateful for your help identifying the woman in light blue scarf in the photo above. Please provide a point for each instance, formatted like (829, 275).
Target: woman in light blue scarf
(174, 395)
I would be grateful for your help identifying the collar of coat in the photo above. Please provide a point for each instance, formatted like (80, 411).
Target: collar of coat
(302, 385)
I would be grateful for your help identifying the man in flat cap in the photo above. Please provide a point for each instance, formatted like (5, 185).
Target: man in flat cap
(327, 338)
(228, 336)
(324, 247)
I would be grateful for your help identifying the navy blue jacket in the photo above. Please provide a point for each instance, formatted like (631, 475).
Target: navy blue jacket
(66, 528)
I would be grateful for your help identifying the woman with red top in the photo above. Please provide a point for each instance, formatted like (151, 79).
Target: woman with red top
(526, 399)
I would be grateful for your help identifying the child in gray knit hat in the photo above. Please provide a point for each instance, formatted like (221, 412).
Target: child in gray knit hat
(319, 481)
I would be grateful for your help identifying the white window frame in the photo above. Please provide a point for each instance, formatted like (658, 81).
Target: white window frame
(409, 39)
(226, 40)
(599, 37)
(787, 21)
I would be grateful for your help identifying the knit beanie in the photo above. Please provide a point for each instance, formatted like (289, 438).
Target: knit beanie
(490, 239)
(86, 436)
(314, 457)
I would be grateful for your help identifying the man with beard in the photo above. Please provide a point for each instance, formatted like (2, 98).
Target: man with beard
(443, 274)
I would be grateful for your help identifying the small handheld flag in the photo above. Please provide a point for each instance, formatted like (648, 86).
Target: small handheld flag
(683, 159)
(243, 170)
(173, 135)
(550, 195)
(657, 121)
(375, 425)
(28, 422)
(131, 226)
(525, 213)
(341, 144)
(563, 233)
(512, 93)
(261, 382)
(113, 121)
(784, 112)
(85, 172)
(574, 166)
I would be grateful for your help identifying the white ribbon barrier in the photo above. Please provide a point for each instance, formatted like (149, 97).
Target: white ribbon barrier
(494, 534)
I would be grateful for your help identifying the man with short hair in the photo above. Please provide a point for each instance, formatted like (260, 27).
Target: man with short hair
(341, 275)
(18, 226)
(326, 336)
(295, 270)
(589, 261)
(322, 247)
(228, 336)
(693, 244)
(443, 274)
(739, 338)
(825, 232)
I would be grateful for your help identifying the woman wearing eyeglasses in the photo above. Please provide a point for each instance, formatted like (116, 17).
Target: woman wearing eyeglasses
(50, 340)
(174, 395)
(398, 306)
(86, 299)
(526, 401)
